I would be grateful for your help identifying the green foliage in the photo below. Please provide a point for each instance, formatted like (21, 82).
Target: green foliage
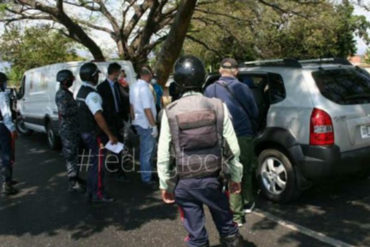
(367, 56)
(248, 30)
(34, 47)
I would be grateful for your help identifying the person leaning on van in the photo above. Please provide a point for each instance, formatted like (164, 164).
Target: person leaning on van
(69, 129)
(7, 134)
(243, 109)
(90, 112)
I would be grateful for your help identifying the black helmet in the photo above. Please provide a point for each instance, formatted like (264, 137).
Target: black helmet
(3, 77)
(88, 71)
(65, 75)
(189, 73)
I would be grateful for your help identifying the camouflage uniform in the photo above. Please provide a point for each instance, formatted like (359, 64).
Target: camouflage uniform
(68, 129)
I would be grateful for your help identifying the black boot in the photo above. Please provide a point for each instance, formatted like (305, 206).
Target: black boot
(76, 186)
(8, 189)
(235, 240)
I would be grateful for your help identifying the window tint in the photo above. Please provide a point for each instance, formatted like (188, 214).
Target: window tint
(344, 86)
(22, 89)
(276, 88)
(267, 87)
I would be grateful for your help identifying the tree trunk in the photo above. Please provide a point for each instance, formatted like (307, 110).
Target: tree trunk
(172, 47)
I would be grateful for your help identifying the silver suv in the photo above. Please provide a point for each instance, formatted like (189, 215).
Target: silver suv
(314, 122)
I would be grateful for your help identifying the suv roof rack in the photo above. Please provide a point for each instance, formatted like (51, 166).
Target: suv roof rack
(335, 60)
(287, 62)
(294, 63)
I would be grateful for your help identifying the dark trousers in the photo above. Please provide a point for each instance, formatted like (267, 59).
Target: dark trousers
(113, 162)
(6, 154)
(191, 195)
(95, 175)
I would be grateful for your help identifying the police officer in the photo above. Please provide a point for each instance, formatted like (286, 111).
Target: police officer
(69, 129)
(7, 134)
(195, 126)
(92, 122)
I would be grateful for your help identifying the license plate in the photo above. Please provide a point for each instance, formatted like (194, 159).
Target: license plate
(365, 132)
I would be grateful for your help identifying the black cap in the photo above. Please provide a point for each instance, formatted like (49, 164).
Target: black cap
(229, 63)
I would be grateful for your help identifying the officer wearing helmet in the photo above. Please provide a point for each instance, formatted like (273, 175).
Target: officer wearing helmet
(92, 122)
(7, 134)
(194, 127)
(69, 129)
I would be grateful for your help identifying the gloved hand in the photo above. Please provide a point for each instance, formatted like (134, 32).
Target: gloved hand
(155, 131)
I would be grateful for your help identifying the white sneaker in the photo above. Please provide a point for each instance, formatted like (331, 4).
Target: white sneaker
(249, 208)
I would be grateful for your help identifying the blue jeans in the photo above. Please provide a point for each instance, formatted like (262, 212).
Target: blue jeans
(147, 144)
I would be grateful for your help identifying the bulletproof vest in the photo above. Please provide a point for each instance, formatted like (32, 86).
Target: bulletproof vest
(196, 126)
(86, 118)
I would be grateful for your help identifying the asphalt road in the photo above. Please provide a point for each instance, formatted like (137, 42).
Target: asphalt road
(45, 214)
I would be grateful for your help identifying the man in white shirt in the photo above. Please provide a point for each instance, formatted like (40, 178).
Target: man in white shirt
(144, 114)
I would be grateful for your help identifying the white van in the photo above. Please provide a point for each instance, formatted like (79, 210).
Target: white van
(36, 104)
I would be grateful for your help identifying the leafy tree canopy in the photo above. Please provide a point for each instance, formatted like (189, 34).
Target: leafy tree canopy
(34, 47)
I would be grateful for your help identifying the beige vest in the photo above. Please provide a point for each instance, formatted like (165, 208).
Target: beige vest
(196, 126)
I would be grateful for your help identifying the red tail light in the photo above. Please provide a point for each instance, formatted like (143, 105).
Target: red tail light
(321, 129)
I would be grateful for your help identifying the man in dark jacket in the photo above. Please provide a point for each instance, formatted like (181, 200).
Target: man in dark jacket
(114, 111)
(243, 109)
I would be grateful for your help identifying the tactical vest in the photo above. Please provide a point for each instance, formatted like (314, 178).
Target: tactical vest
(196, 126)
(86, 118)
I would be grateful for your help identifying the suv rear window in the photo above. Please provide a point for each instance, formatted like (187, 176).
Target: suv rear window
(344, 86)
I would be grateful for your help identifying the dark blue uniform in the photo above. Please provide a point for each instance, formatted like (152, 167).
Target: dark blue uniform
(89, 103)
(68, 129)
(6, 127)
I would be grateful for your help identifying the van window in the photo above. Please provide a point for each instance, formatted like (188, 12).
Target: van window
(344, 86)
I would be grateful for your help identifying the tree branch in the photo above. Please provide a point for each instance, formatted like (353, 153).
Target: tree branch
(277, 8)
(75, 30)
(139, 12)
(108, 15)
(203, 44)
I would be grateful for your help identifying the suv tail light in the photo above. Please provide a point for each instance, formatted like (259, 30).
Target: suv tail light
(321, 129)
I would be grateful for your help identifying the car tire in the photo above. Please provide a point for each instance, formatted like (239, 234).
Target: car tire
(53, 139)
(21, 128)
(276, 176)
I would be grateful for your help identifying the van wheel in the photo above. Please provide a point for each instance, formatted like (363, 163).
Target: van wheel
(276, 176)
(53, 140)
(21, 128)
